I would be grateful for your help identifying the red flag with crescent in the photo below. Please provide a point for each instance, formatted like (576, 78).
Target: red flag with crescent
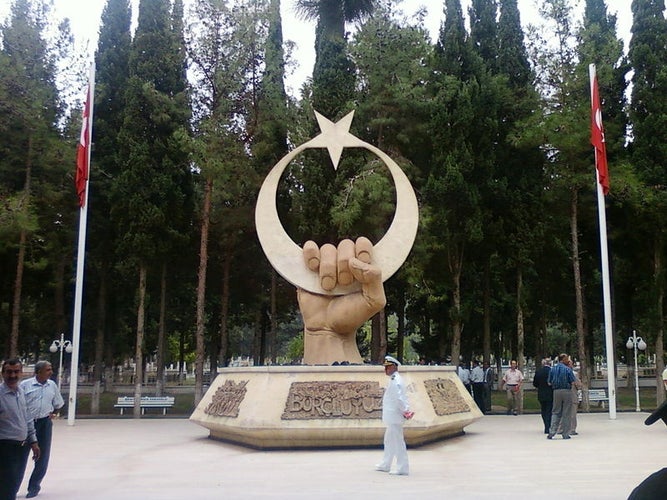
(82, 155)
(597, 136)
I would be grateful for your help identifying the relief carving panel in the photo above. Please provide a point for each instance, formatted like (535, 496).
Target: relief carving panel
(445, 397)
(227, 399)
(333, 400)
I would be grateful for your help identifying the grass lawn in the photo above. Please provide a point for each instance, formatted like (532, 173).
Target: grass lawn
(625, 400)
(184, 403)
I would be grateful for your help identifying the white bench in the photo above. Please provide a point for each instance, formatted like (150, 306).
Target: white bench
(598, 396)
(162, 402)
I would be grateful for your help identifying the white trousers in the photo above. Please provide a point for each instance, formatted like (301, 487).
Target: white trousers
(394, 446)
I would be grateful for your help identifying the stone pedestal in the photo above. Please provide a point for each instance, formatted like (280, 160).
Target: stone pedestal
(279, 407)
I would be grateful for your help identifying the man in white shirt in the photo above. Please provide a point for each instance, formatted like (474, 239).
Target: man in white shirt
(395, 410)
(478, 385)
(464, 374)
(512, 380)
(43, 399)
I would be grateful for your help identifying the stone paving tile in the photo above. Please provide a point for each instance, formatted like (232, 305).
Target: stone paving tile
(499, 457)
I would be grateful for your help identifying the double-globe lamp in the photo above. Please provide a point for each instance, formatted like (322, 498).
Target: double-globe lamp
(62, 345)
(635, 343)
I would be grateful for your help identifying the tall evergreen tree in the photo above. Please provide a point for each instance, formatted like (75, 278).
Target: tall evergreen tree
(269, 136)
(390, 54)
(333, 85)
(29, 164)
(599, 44)
(333, 74)
(112, 73)
(484, 30)
(462, 134)
(648, 115)
(516, 175)
(152, 193)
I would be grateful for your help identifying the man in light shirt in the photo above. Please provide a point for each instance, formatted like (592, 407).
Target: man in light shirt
(44, 400)
(17, 431)
(478, 385)
(512, 380)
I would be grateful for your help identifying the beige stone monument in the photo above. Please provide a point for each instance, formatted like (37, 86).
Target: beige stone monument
(338, 289)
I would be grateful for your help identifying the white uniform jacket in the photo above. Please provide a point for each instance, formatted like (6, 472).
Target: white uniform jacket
(394, 401)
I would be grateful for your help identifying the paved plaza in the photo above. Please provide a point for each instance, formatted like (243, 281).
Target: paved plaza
(499, 457)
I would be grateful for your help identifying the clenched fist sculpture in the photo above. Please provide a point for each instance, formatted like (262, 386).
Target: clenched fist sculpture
(331, 321)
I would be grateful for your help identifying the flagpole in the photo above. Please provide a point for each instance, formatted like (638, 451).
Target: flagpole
(80, 262)
(604, 262)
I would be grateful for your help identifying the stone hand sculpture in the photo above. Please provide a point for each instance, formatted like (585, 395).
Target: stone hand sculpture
(331, 321)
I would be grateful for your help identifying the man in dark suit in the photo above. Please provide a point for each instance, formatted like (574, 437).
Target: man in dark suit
(655, 485)
(545, 393)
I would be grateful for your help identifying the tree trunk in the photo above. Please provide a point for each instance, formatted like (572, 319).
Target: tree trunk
(400, 332)
(273, 329)
(257, 338)
(579, 297)
(59, 294)
(159, 358)
(99, 343)
(378, 338)
(20, 260)
(455, 315)
(16, 304)
(486, 333)
(139, 354)
(520, 332)
(224, 309)
(201, 291)
(659, 345)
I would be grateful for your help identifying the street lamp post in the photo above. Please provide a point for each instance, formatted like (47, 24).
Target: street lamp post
(62, 345)
(635, 343)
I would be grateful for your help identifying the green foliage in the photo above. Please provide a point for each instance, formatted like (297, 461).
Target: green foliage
(491, 127)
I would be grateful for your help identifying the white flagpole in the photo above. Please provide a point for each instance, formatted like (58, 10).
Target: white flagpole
(80, 262)
(606, 289)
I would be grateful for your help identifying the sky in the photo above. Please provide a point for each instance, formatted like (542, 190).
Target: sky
(85, 19)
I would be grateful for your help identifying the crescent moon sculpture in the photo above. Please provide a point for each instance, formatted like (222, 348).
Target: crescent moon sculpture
(286, 257)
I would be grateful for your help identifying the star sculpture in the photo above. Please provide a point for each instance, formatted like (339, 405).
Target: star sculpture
(335, 136)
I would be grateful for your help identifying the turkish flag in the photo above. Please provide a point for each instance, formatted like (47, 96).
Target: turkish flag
(82, 155)
(597, 135)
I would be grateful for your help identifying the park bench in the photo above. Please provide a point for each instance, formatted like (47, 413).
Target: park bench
(598, 396)
(162, 402)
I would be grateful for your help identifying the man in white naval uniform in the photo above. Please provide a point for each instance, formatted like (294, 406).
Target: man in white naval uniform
(395, 410)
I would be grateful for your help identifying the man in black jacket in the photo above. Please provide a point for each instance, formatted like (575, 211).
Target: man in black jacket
(545, 393)
(655, 485)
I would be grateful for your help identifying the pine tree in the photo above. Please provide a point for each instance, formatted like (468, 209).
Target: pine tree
(461, 166)
(333, 74)
(112, 73)
(269, 137)
(519, 175)
(648, 115)
(28, 168)
(152, 194)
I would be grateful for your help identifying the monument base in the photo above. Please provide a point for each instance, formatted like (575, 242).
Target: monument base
(279, 407)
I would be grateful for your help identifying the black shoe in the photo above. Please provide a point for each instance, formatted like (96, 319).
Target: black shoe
(575, 433)
(566, 437)
(32, 494)
(550, 436)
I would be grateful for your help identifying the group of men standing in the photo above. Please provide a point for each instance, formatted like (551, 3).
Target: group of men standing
(479, 382)
(557, 392)
(26, 410)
